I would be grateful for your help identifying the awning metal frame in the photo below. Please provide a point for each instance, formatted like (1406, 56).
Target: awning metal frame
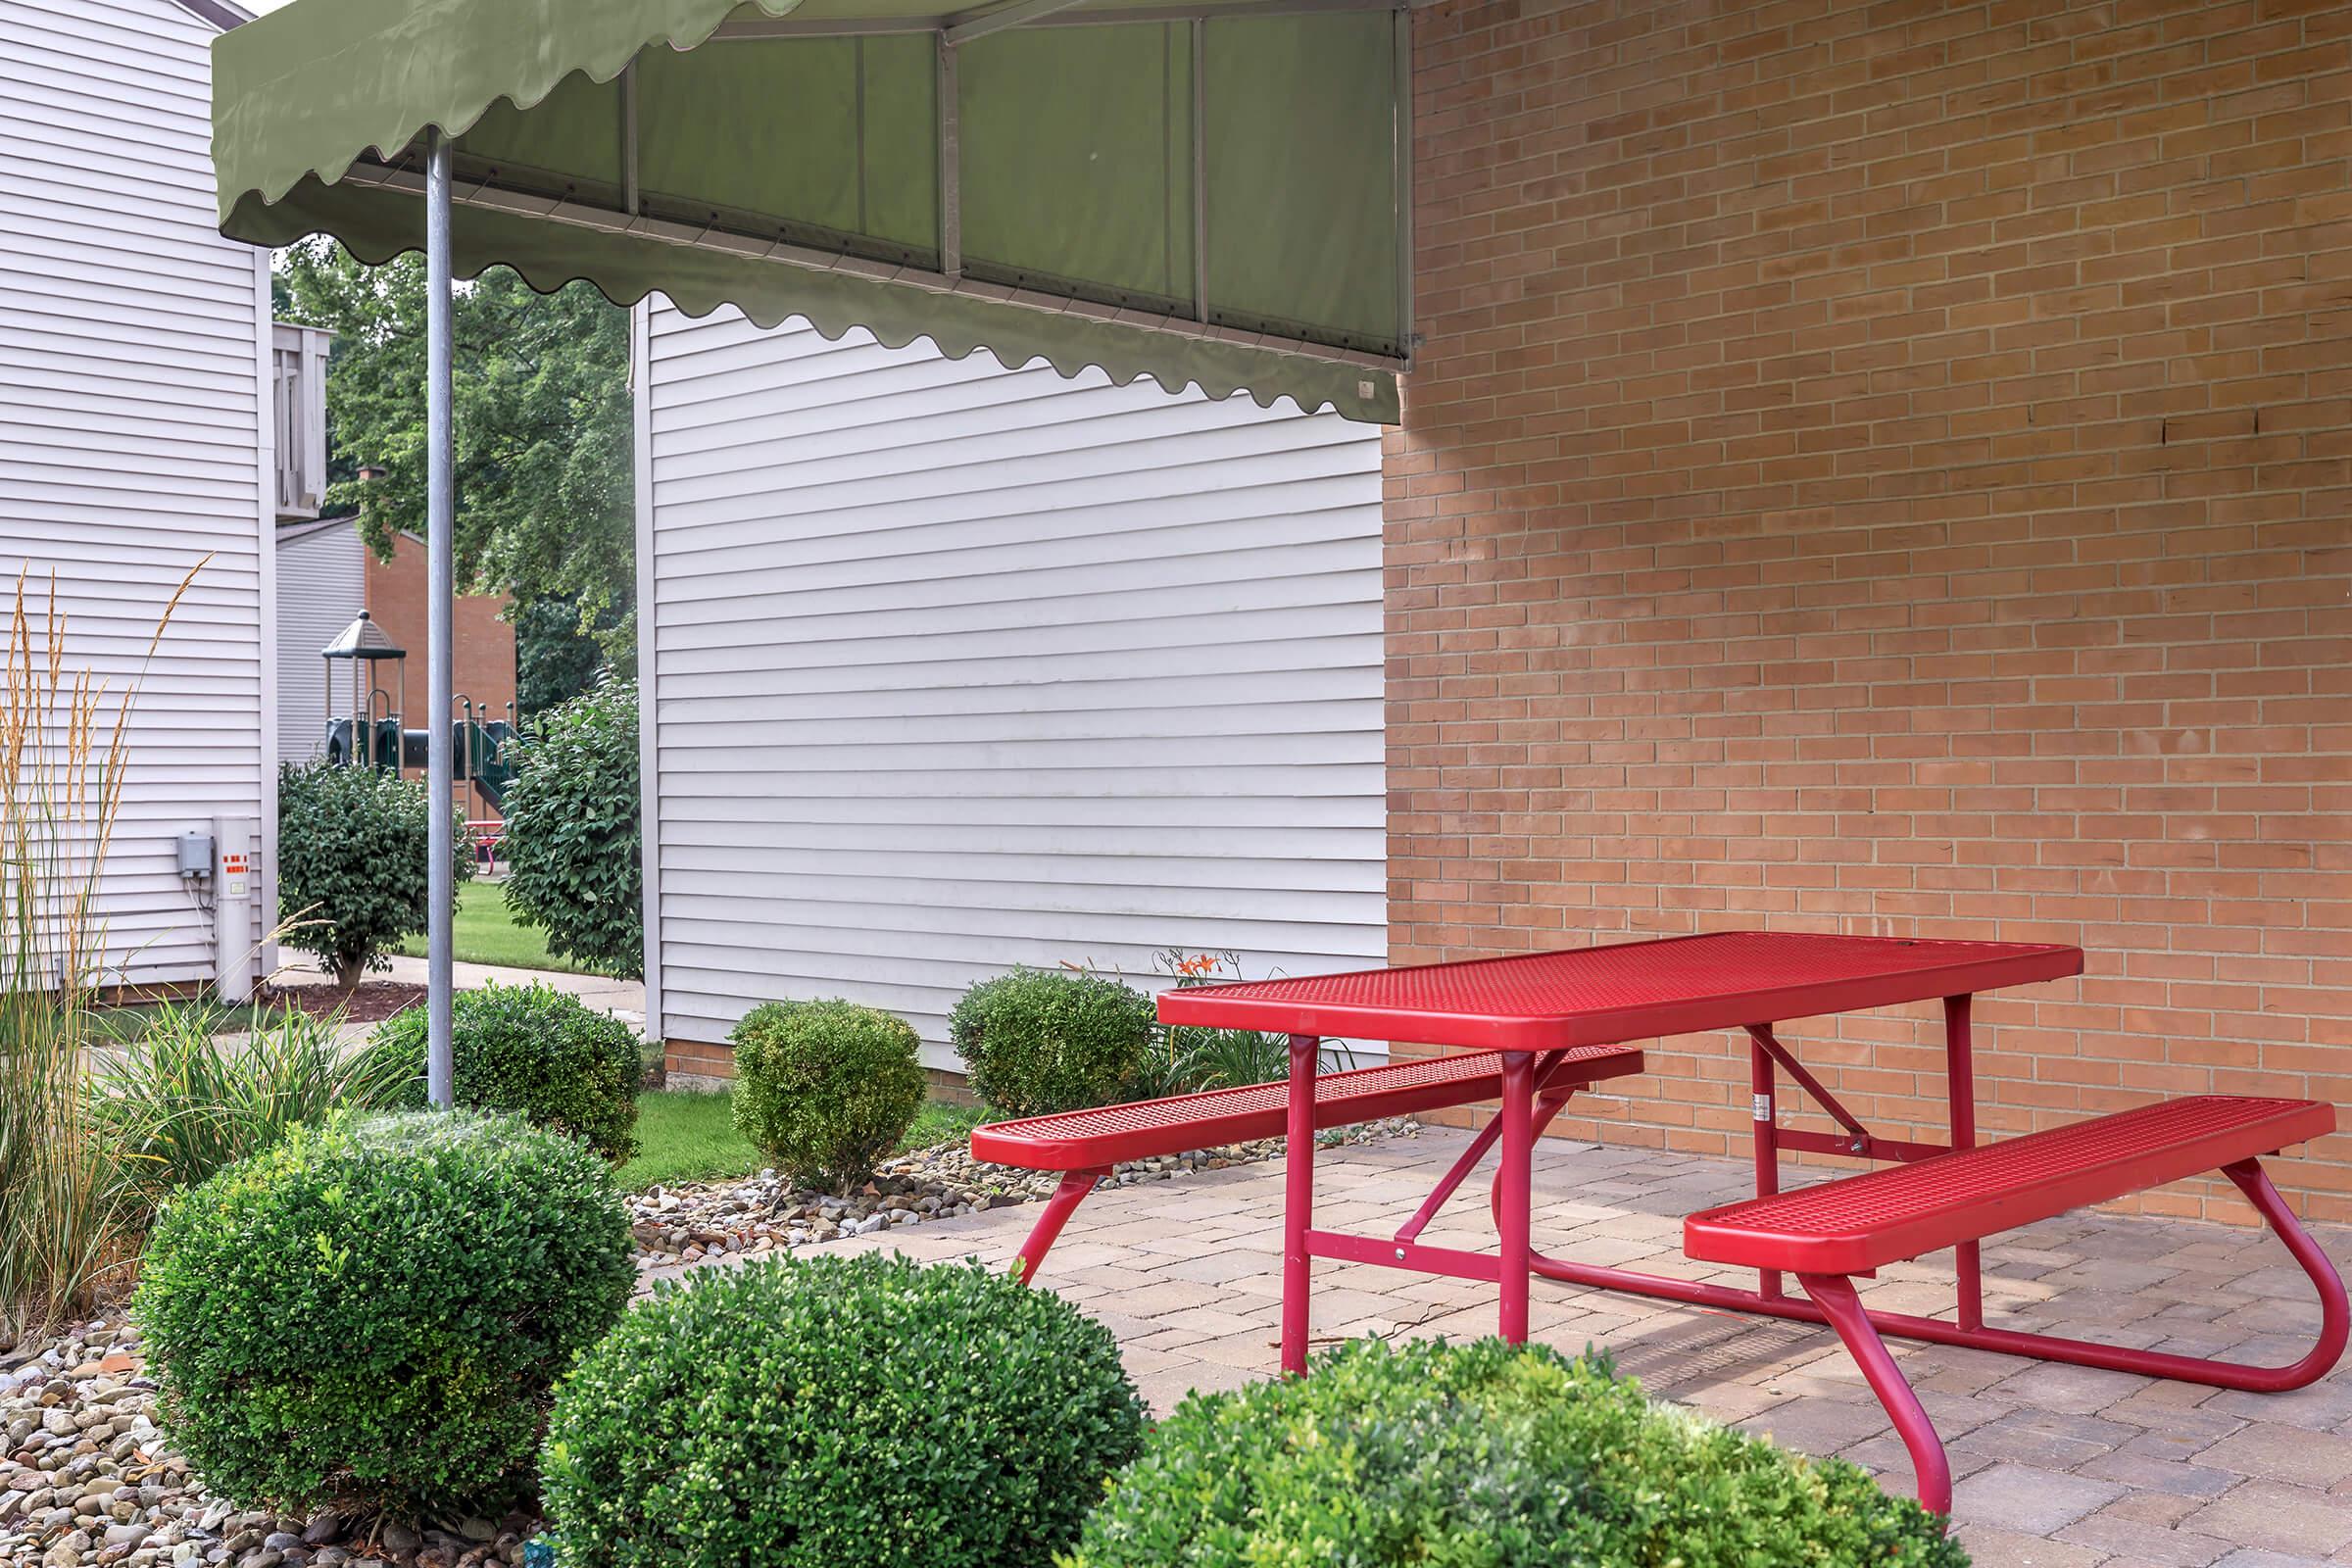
(952, 29)
(978, 23)
(555, 210)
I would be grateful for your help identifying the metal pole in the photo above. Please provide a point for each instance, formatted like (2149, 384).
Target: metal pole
(440, 594)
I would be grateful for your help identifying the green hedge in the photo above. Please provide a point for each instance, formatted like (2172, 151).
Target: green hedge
(1483, 1456)
(1039, 1041)
(825, 1088)
(834, 1412)
(371, 1314)
(538, 1053)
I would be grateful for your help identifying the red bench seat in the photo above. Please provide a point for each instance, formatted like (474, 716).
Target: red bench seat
(1853, 1225)
(1828, 1234)
(1088, 1139)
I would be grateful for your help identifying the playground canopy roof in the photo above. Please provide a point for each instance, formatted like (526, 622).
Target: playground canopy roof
(362, 639)
(1210, 191)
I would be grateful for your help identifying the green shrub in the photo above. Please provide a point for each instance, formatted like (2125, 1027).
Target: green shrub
(537, 1051)
(574, 844)
(351, 863)
(838, 1412)
(1188, 1058)
(1038, 1040)
(1483, 1456)
(182, 1101)
(824, 1088)
(370, 1314)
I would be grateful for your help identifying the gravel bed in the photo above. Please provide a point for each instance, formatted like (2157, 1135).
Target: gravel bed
(764, 1213)
(86, 1479)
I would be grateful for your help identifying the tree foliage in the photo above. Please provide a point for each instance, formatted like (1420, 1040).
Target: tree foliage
(574, 844)
(545, 428)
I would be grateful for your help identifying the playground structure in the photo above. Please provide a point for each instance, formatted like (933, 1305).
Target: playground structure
(365, 726)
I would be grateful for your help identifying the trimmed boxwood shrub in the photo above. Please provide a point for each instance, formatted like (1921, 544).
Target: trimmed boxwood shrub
(824, 1088)
(1483, 1456)
(537, 1051)
(370, 1313)
(833, 1412)
(1038, 1041)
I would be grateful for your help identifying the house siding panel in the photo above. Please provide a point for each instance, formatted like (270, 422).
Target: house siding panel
(132, 438)
(955, 668)
(320, 588)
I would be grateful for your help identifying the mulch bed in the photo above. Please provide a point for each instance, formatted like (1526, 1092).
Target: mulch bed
(373, 1002)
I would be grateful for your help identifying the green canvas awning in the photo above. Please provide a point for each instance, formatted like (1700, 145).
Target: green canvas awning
(1212, 192)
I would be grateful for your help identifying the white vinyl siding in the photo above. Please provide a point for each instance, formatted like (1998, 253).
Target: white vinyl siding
(954, 668)
(132, 441)
(321, 587)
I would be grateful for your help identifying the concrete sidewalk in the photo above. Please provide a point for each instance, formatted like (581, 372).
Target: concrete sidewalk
(2058, 1466)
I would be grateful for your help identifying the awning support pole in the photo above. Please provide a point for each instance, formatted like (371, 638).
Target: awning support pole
(440, 594)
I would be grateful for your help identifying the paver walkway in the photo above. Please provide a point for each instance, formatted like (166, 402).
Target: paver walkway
(2059, 1466)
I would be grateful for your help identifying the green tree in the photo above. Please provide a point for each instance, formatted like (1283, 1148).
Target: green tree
(353, 872)
(545, 428)
(574, 848)
(554, 659)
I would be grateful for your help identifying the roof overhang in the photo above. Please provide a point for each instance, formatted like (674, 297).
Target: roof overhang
(1213, 192)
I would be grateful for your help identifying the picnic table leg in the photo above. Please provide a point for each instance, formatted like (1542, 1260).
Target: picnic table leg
(1960, 1080)
(1298, 1202)
(1513, 1184)
(1835, 1296)
(1766, 1135)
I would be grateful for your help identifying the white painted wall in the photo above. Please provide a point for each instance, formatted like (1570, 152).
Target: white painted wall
(953, 669)
(321, 586)
(135, 443)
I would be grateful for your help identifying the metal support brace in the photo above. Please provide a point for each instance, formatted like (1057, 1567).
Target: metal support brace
(951, 163)
(1199, 31)
(980, 25)
(1762, 1035)
(629, 197)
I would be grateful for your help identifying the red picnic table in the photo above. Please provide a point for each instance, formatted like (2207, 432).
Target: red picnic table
(1532, 1030)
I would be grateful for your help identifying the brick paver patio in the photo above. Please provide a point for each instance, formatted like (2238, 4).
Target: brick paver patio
(2058, 1466)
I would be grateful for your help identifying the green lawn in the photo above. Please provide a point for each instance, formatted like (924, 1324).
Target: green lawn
(686, 1134)
(485, 931)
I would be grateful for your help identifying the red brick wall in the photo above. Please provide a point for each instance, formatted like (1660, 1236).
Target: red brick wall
(1884, 467)
(482, 645)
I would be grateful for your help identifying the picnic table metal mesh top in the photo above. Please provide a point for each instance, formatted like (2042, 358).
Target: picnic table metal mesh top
(1602, 995)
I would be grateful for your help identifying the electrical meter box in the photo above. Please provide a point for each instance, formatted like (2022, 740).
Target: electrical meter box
(195, 857)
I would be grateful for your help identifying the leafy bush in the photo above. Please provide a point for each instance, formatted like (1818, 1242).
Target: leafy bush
(535, 1052)
(1038, 1041)
(352, 864)
(370, 1313)
(824, 1088)
(574, 844)
(1483, 1456)
(1188, 1058)
(838, 1413)
(182, 1101)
